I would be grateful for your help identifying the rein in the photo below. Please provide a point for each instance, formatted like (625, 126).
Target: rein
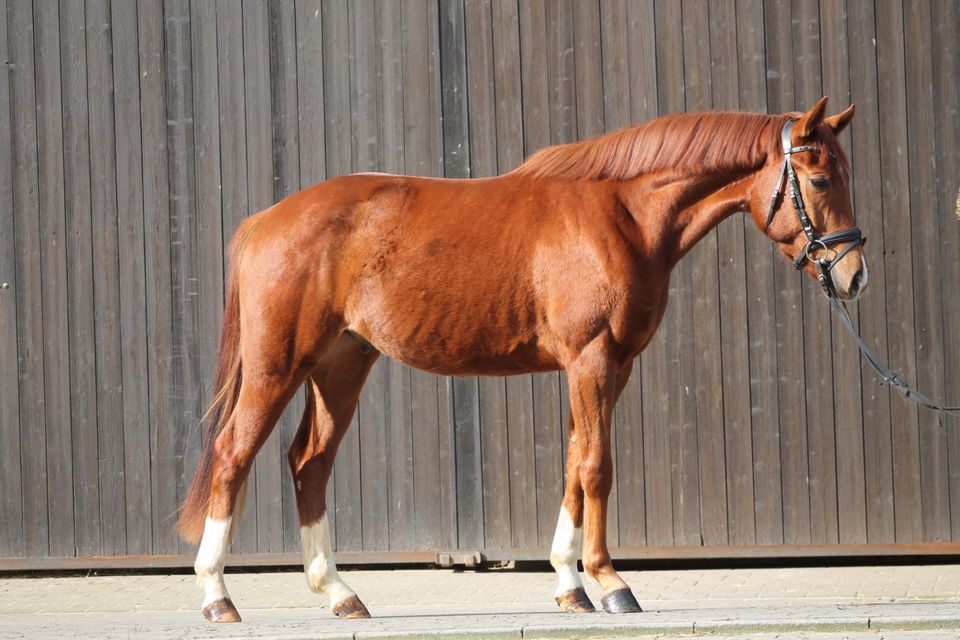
(887, 376)
(853, 237)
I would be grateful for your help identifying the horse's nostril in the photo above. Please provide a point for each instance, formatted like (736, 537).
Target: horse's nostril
(855, 283)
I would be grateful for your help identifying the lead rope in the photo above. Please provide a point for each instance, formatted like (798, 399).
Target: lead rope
(889, 377)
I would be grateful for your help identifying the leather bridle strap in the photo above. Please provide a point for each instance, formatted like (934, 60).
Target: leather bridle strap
(888, 376)
(853, 236)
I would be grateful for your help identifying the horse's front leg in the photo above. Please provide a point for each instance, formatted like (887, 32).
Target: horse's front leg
(595, 383)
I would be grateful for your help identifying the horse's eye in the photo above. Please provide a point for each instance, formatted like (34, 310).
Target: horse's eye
(820, 183)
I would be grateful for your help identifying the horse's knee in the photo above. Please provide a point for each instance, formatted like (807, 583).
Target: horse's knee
(596, 476)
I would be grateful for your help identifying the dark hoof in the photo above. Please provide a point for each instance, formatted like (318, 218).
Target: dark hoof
(620, 601)
(575, 601)
(221, 611)
(350, 609)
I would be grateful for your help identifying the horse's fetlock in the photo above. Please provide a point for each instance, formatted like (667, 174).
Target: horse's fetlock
(598, 565)
(203, 568)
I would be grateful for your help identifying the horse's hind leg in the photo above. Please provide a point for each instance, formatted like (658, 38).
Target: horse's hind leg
(260, 402)
(334, 389)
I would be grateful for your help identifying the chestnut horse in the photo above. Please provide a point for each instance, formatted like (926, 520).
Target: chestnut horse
(563, 263)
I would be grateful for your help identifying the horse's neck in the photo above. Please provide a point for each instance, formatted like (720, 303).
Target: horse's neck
(679, 213)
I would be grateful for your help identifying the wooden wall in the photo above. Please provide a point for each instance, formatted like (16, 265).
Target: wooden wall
(136, 135)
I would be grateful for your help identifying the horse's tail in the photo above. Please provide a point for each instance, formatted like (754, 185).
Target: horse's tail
(227, 384)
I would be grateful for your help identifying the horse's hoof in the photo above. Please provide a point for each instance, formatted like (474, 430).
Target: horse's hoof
(620, 601)
(221, 611)
(575, 601)
(350, 609)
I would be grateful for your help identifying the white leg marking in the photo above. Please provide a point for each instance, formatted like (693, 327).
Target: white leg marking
(564, 553)
(318, 562)
(210, 558)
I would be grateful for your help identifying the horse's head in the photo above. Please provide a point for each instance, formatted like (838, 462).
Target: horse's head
(803, 203)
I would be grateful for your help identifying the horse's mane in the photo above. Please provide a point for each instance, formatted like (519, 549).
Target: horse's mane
(694, 142)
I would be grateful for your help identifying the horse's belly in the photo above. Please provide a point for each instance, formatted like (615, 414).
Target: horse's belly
(448, 335)
(462, 362)
(459, 353)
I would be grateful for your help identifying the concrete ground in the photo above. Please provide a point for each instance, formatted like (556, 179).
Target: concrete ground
(856, 603)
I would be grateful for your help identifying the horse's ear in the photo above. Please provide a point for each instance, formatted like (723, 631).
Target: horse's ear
(808, 123)
(840, 121)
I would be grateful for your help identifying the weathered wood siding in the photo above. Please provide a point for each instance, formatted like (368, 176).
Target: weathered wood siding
(136, 135)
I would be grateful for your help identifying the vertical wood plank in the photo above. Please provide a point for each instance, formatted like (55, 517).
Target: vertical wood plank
(310, 73)
(184, 267)
(11, 498)
(81, 288)
(925, 207)
(53, 267)
(106, 276)
(29, 301)
(761, 302)
(945, 19)
(865, 161)
(846, 358)
(588, 69)
(793, 421)
(898, 239)
(156, 214)
(616, 56)
(134, 359)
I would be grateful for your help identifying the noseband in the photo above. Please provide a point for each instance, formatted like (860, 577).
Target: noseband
(853, 237)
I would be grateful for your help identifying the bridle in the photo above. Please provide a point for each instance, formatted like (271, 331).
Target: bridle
(853, 237)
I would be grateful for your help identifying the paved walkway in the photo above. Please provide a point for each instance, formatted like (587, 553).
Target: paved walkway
(910, 602)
